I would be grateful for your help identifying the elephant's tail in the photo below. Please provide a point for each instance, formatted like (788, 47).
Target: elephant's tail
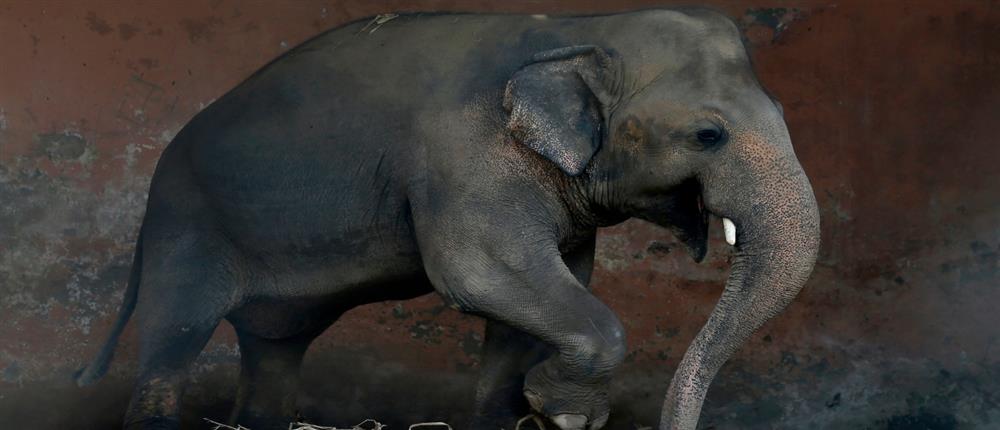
(99, 366)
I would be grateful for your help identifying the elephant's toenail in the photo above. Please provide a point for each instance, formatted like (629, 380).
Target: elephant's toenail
(570, 421)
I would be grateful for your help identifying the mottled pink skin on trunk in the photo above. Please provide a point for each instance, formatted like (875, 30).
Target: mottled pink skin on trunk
(775, 212)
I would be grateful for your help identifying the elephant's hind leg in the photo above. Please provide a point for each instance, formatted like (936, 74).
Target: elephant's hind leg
(269, 380)
(187, 287)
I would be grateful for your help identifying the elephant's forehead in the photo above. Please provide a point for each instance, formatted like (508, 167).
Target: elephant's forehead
(722, 48)
(708, 33)
(712, 52)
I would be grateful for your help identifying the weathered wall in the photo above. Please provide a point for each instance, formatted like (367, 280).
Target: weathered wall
(892, 105)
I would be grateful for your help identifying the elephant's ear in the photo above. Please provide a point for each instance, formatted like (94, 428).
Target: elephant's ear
(558, 103)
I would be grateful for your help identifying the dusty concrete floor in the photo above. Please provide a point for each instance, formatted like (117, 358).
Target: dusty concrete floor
(892, 105)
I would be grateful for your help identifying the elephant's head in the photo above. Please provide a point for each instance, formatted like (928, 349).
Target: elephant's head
(670, 132)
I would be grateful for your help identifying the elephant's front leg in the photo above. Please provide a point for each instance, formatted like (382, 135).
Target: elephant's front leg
(508, 354)
(529, 288)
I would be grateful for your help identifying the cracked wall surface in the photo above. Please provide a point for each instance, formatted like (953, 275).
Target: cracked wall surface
(892, 107)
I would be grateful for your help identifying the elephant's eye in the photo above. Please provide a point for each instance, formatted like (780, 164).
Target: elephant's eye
(710, 136)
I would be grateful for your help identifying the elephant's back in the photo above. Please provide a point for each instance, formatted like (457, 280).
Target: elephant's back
(303, 161)
(331, 108)
(336, 100)
(315, 152)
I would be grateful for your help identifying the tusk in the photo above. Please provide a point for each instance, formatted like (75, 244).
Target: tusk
(730, 228)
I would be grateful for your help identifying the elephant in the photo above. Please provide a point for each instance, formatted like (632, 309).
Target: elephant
(474, 156)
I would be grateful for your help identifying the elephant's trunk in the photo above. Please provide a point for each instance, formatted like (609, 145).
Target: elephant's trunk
(761, 188)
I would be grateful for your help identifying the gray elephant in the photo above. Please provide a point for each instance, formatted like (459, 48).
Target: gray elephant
(474, 156)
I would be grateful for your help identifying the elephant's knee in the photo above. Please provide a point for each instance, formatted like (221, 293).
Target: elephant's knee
(598, 352)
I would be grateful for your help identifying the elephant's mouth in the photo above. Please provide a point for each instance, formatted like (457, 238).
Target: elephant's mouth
(684, 214)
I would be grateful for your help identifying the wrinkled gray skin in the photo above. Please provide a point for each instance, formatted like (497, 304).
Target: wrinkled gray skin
(475, 156)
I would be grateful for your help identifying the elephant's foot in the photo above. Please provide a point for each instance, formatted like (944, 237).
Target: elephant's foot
(569, 404)
(500, 410)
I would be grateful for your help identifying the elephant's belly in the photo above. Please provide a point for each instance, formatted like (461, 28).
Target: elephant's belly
(323, 266)
(292, 294)
(308, 302)
(314, 241)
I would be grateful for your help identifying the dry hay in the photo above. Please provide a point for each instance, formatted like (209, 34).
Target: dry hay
(368, 424)
(371, 424)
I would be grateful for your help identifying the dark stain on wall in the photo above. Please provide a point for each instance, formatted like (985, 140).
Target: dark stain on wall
(892, 107)
(63, 146)
(97, 24)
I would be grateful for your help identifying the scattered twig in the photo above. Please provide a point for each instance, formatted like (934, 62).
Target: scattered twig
(221, 426)
(434, 423)
(373, 425)
(532, 417)
(377, 22)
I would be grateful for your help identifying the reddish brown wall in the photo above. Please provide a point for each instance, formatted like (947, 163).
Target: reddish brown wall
(892, 105)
